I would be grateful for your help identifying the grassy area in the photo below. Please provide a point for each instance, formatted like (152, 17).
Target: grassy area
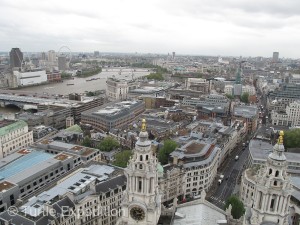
(90, 72)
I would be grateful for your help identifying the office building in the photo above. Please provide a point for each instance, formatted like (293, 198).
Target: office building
(291, 116)
(198, 84)
(43, 56)
(113, 115)
(54, 76)
(96, 54)
(29, 170)
(16, 58)
(249, 114)
(275, 58)
(51, 56)
(287, 93)
(117, 89)
(13, 136)
(200, 161)
(30, 78)
(62, 63)
(294, 78)
(89, 196)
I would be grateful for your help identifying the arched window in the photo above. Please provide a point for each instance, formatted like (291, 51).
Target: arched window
(141, 158)
(146, 157)
(276, 173)
(270, 171)
(275, 183)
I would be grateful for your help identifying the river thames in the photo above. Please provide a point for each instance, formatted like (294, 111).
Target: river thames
(77, 85)
(81, 85)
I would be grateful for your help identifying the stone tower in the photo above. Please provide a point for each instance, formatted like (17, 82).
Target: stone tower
(270, 203)
(141, 203)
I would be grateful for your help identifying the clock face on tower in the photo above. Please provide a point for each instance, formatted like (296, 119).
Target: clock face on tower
(137, 213)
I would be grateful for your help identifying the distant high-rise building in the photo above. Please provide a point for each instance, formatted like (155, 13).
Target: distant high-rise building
(62, 63)
(96, 54)
(51, 56)
(275, 57)
(16, 57)
(173, 55)
(43, 56)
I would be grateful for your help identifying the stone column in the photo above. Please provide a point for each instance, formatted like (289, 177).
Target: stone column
(268, 203)
(258, 197)
(283, 205)
(279, 204)
(263, 201)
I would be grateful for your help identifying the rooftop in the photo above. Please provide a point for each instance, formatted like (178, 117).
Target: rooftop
(7, 126)
(113, 109)
(198, 214)
(5, 186)
(245, 111)
(77, 184)
(23, 162)
(194, 148)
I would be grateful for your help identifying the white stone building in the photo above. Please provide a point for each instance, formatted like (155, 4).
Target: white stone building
(200, 161)
(197, 84)
(290, 118)
(266, 191)
(141, 201)
(294, 78)
(30, 78)
(118, 89)
(248, 89)
(13, 136)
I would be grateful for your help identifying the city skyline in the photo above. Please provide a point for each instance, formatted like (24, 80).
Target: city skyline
(228, 27)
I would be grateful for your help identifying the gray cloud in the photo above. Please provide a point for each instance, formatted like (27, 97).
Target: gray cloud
(208, 27)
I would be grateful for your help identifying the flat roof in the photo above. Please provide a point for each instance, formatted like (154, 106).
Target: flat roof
(245, 111)
(5, 185)
(76, 183)
(194, 148)
(24, 162)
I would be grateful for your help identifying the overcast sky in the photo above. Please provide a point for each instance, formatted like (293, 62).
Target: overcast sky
(200, 27)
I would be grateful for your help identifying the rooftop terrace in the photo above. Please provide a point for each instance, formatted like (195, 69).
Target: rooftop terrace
(194, 148)
(5, 186)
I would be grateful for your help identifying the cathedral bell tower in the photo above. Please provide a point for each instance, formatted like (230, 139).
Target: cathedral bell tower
(141, 202)
(270, 203)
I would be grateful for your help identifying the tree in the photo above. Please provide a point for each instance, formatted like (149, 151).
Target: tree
(291, 138)
(86, 142)
(229, 96)
(155, 76)
(245, 97)
(122, 158)
(237, 206)
(108, 144)
(169, 147)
